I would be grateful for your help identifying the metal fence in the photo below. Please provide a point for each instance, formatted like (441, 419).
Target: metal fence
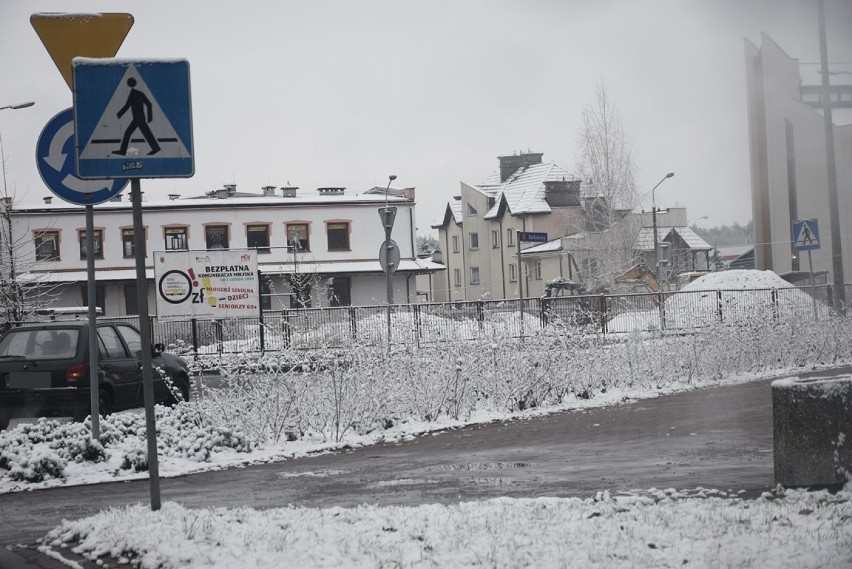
(433, 323)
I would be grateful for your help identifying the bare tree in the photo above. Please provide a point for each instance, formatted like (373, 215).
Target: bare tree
(20, 296)
(606, 165)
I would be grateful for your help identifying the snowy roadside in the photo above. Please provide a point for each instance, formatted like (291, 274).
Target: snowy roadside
(654, 529)
(184, 451)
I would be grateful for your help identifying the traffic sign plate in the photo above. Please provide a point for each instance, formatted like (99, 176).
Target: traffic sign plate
(806, 235)
(56, 166)
(66, 36)
(529, 236)
(133, 118)
(389, 256)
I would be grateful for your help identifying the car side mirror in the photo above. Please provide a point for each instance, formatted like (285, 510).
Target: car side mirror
(159, 348)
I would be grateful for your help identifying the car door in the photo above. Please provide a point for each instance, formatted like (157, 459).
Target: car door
(133, 339)
(120, 367)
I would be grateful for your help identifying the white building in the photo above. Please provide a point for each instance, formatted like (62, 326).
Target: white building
(337, 238)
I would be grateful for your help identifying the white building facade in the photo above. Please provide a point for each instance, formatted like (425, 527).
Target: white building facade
(314, 249)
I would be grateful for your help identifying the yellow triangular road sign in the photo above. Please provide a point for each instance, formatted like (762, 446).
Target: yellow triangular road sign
(67, 36)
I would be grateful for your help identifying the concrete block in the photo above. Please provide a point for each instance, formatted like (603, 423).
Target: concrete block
(812, 424)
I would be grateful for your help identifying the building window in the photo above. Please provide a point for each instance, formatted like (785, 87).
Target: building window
(217, 236)
(99, 244)
(99, 298)
(297, 236)
(131, 306)
(455, 243)
(471, 210)
(537, 271)
(338, 236)
(127, 243)
(257, 237)
(47, 245)
(457, 276)
(265, 293)
(474, 275)
(339, 292)
(176, 238)
(510, 237)
(513, 272)
(495, 239)
(474, 240)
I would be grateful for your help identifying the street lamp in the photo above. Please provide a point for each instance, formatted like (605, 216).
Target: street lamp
(19, 105)
(654, 221)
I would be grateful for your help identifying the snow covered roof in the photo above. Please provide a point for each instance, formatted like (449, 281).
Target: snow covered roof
(524, 190)
(548, 247)
(454, 210)
(326, 268)
(645, 239)
(262, 201)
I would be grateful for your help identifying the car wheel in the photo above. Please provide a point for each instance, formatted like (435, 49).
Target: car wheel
(104, 402)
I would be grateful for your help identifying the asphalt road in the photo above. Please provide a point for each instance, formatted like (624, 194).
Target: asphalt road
(713, 438)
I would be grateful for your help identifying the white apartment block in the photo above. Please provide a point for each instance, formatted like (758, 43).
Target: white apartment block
(478, 235)
(328, 237)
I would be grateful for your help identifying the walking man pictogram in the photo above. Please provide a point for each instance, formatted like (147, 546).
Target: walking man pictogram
(138, 104)
(807, 238)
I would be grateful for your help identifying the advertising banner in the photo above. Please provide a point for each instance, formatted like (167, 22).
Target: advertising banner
(206, 284)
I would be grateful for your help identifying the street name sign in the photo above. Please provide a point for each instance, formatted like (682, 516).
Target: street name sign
(54, 158)
(806, 235)
(532, 237)
(66, 36)
(133, 118)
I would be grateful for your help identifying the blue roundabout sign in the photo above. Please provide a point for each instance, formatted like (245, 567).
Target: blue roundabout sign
(55, 160)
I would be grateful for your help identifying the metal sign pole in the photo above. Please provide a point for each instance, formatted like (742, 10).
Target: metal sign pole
(521, 287)
(145, 331)
(811, 269)
(91, 299)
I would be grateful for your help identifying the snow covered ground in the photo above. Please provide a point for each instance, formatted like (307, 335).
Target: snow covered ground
(656, 529)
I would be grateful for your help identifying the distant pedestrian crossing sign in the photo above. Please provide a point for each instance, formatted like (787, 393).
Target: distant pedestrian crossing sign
(805, 235)
(132, 118)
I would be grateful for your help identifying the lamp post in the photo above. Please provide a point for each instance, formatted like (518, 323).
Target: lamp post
(654, 222)
(388, 214)
(19, 106)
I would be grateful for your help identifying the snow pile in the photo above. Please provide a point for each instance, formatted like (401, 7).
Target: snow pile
(732, 297)
(53, 451)
(655, 529)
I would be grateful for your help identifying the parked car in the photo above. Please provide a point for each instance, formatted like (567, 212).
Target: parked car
(44, 371)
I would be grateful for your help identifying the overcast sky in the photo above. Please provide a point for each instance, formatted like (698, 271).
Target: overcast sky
(344, 93)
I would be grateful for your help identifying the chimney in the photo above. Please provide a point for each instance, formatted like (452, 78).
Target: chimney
(47, 199)
(562, 192)
(408, 193)
(330, 191)
(268, 191)
(510, 164)
(289, 191)
(116, 198)
(174, 197)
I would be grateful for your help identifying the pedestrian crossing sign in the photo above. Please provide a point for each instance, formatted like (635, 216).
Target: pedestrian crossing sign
(806, 235)
(132, 118)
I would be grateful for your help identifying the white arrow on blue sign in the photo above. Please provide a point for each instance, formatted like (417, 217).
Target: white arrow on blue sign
(56, 165)
(133, 118)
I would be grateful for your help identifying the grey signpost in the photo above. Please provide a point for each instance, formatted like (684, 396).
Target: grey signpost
(525, 237)
(389, 257)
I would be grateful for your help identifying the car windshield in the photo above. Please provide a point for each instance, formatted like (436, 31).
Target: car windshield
(43, 344)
